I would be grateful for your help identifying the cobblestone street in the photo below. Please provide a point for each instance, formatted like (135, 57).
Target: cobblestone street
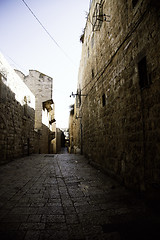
(63, 197)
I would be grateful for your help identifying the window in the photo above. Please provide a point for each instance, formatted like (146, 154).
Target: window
(134, 2)
(25, 106)
(92, 73)
(142, 71)
(103, 100)
(88, 52)
(92, 41)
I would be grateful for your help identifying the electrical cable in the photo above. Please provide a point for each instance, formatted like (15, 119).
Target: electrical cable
(44, 28)
(103, 69)
(13, 61)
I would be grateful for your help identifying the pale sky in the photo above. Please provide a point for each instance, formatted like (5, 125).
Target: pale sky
(26, 45)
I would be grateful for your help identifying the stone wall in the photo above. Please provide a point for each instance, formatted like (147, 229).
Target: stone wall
(72, 127)
(74, 130)
(17, 135)
(59, 140)
(119, 76)
(42, 87)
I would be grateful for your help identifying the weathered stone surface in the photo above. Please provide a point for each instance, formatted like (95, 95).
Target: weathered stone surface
(17, 109)
(39, 200)
(42, 87)
(26, 113)
(121, 135)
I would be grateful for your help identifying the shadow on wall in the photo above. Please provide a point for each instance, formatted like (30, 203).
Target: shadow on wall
(46, 139)
(17, 135)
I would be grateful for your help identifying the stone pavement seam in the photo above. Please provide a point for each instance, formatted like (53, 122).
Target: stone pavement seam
(43, 197)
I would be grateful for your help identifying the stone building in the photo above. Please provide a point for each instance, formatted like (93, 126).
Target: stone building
(74, 131)
(42, 87)
(17, 110)
(72, 128)
(27, 114)
(119, 91)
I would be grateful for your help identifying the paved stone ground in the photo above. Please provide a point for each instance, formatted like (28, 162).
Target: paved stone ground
(63, 197)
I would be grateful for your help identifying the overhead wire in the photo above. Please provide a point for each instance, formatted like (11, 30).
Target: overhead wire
(44, 28)
(22, 68)
(103, 69)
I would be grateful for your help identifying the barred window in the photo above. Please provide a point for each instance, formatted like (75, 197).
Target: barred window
(103, 100)
(143, 75)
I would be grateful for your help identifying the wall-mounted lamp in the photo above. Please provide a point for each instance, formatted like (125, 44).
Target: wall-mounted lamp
(73, 94)
(77, 94)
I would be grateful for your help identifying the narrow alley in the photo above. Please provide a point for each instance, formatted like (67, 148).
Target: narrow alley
(63, 197)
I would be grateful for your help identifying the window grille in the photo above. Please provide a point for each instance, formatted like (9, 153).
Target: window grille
(142, 71)
(103, 100)
(97, 18)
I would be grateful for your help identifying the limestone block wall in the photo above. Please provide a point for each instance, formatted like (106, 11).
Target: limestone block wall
(72, 127)
(17, 103)
(119, 74)
(42, 87)
(58, 140)
(15, 84)
(74, 130)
